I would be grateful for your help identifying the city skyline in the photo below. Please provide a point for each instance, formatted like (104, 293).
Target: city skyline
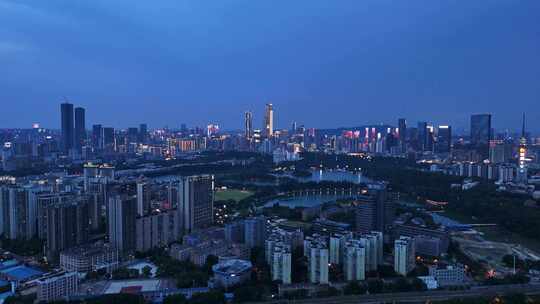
(243, 151)
(198, 63)
(247, 124)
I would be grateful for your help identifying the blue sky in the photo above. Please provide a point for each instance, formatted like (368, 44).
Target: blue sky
(321, 63)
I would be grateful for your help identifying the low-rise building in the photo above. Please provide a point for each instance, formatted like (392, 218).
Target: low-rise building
(216, 248)
(443, 234)
(57, 286)
(323, 226)
(20, 274)
(228, 273)
(88, 258)
(198, 253)
(448, 275)
(431, 282)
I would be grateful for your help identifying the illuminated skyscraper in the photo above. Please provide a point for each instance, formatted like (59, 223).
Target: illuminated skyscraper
(444, 139)
(66, 110)
(248, 124)
(211, 130)
(269, 120)
(522, 158)
(402, 129)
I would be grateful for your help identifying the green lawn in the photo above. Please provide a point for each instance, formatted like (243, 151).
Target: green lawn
(232, 194)
(496, 233)
(499, 234)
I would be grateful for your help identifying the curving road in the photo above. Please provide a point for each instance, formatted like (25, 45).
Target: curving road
(422, 297)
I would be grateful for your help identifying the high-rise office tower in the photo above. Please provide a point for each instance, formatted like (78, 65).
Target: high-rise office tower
(444, 139)
(108, 139)
(66, 110)
(122, 222)
(422, 135)
(402, 129)
(269, 121)
(80, 128)
(132, 135)
(195, 202)
(97, 136)
(404, 255)
(248, 124)
(481, 133)
(480, 129)
(522, 176)
(143, 133)
(371, 212)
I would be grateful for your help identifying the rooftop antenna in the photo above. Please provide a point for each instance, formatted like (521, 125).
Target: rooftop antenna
(523, 127)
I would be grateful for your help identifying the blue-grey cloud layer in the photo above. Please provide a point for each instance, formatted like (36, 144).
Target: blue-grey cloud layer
(322, 63)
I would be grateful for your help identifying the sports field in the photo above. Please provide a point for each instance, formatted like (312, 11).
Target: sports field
(232, 194)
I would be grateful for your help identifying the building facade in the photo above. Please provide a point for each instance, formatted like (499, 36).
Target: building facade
(195, 202)
(57, 286)
(404, 255)
(122, 222)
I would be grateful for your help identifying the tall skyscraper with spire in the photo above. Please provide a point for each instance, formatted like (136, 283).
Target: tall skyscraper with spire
(522, 156)
(269, 121)
(248, 124)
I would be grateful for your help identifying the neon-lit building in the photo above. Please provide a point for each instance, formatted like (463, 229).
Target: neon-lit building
(521, 176)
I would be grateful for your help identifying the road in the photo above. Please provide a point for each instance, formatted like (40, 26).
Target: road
(422, 297)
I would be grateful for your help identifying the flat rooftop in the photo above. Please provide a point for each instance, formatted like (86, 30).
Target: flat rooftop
(133, 286)
(21, 272)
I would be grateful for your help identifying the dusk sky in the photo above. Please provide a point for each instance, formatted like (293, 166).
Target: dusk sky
(321, 63)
